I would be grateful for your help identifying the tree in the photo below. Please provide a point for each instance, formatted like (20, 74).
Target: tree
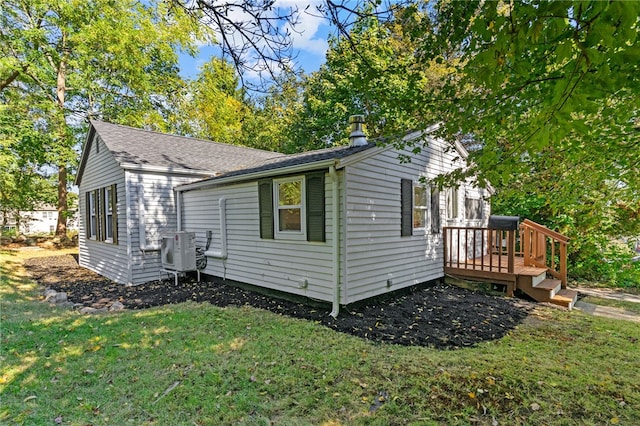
(213, 105)
(110, 58)
(275, 115)
(373, 71)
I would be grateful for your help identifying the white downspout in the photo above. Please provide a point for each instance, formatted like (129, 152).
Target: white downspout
(179, 210)
(222, 253)
(335, 225)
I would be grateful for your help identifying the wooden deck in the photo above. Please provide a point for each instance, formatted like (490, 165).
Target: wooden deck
(531, 259)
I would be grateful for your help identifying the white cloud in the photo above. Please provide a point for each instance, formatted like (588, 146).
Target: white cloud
(305, 34)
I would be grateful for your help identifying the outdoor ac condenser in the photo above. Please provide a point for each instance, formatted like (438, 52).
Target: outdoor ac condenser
(178, 251)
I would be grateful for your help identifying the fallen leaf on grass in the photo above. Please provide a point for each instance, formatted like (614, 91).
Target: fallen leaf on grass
(535, 406)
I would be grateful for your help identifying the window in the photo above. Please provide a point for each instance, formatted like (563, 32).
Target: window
(414, 206)
(289, 209)
(473, 208)
(452, 203)
(101, 218)
(293, 207)
(108, 209)
(93, 216)
(420, 206)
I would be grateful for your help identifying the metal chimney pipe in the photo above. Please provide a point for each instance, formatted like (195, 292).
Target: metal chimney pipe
(357, 136)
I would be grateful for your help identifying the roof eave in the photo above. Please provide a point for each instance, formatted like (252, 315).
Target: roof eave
(298, 168)
(85, 153)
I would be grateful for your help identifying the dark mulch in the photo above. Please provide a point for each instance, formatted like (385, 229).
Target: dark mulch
(441, 316)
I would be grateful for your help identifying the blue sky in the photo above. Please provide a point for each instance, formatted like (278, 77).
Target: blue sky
(309, 41)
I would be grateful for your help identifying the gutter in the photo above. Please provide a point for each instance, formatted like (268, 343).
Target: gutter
(335, 224)
(210, 183)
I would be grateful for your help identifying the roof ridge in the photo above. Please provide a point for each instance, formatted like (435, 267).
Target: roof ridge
(191, 138)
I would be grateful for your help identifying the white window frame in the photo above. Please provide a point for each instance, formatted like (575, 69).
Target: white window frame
(290, 234)
(424, 208)
(92, 225)
(108, 212)
(453, 204)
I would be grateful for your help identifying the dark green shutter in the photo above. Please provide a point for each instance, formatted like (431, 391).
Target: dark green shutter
(265, 200)
(315, 207)
(435, 211)
(114, 213)
(406, 204)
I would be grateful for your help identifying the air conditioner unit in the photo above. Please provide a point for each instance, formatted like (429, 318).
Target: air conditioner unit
(178, 251)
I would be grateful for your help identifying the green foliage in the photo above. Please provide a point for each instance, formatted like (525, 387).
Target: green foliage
(544, 93)
(372, 71)
(65, 61)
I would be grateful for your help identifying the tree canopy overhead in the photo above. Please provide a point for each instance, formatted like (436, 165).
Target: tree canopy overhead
(65, 60)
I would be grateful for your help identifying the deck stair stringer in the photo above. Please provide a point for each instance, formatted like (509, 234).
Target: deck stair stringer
(544, 289)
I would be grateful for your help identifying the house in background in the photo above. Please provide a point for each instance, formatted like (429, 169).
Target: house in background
(41, 220)
(126, 178)
(337, 225)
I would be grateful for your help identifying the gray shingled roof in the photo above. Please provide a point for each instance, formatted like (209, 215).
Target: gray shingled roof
(309, 157)
(137, 147)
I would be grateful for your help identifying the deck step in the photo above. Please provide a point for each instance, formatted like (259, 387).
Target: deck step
(537, 275)
(565, 297)
(553, 286)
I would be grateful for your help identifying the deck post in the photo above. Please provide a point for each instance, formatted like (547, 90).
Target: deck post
(526, 244)
(511, 250)
(445, 247)
(563, 264)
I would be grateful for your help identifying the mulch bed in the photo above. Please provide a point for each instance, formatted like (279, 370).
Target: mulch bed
(440, 316)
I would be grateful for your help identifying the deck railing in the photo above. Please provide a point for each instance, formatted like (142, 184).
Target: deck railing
(544, 248)
(481, 249)
(492, 250)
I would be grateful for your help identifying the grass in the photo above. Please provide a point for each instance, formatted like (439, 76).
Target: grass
(200, 364)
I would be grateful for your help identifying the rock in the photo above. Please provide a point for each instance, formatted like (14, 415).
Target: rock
(60, 298)
(91, 311)
(49, 295)
(117, 306)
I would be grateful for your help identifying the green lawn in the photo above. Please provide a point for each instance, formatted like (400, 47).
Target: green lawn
(197, 364)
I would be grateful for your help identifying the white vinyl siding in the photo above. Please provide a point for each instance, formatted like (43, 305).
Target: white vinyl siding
(109, 260)
(152, 213)
(294, 266)
(378, 258)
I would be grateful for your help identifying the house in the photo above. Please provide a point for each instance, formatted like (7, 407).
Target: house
(43, 219)
(337, 225)
(135, 185)
(126, 178)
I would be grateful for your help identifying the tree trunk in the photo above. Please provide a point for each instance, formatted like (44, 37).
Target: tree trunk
(61, 227)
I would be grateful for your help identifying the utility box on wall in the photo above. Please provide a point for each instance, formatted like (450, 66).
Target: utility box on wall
(178, 251)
